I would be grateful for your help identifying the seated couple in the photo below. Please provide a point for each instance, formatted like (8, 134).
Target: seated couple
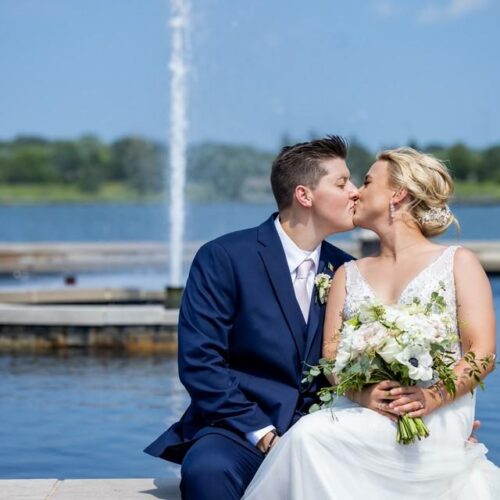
(252, 319)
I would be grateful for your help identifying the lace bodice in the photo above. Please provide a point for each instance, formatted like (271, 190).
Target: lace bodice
(422, 285)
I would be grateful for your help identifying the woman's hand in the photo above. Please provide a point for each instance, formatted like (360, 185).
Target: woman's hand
(377, 397)
(415, 401)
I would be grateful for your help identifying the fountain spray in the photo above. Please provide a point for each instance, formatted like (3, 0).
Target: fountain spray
(178, 23)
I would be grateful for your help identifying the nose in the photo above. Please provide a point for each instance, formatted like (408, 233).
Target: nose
(353, 191)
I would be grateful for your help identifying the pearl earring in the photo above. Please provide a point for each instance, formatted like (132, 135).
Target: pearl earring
(391, 211)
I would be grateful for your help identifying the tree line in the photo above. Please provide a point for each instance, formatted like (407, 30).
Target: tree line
(215, 171)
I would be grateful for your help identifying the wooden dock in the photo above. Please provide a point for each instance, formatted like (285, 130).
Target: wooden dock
(37, 258)
(57, 257)
(131, 320)
(74, 258)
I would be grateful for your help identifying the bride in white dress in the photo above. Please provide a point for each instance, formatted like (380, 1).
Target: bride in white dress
(350, 451)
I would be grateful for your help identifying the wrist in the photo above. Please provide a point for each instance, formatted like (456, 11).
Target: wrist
(268, 441)
(437, 395)
(353, 396)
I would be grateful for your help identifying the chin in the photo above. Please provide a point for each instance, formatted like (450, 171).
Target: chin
(356, 219)
(359, 221)
(348, 225)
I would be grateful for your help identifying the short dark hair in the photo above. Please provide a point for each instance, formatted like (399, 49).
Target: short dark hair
(300, 165)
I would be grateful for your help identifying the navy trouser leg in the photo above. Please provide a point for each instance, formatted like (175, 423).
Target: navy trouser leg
(217, 468)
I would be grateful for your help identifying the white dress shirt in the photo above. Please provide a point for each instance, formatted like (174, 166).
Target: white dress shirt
(294, 257)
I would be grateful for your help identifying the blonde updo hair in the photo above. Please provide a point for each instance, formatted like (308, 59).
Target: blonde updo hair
(429, 187)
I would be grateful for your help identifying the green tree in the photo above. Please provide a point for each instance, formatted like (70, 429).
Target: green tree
(67, 161)
(359, 160)
(464, 163)
(225, 168)
(140, 163)
(489, 168)
(28, 164)
(93, 159)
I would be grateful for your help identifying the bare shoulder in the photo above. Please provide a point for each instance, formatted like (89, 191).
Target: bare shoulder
(340, 274)
(466, 266)
(465, 258)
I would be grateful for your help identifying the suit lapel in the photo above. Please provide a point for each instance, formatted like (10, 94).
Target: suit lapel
(273, 256)
(317, 310)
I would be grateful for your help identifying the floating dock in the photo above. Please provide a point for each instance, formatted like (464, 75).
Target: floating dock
(130, 320)
(42, 258)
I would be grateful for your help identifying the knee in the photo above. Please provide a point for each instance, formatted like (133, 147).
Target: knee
(203, 476)
(217, 468)
(198, 467)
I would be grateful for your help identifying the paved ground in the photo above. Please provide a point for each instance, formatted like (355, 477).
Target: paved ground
(86, 489)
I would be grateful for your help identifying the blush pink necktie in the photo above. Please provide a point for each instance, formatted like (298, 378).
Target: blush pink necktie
(300, 287)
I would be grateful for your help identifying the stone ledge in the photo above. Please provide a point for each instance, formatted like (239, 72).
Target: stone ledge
(84, 489)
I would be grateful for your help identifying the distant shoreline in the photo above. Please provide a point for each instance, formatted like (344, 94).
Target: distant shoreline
(486, 193)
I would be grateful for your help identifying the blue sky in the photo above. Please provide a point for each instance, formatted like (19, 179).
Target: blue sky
(384, 71)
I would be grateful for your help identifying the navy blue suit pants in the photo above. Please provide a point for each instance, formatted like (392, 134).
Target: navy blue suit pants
(218, 468)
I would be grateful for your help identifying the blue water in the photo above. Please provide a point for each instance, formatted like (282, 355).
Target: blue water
(149, 222)
(82, 416)
(78, 415)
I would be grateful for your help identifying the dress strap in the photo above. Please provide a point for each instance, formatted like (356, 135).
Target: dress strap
(448, 257)
(350, 269)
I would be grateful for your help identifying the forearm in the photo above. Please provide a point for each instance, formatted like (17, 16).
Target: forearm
(214, 389)
(468, 376)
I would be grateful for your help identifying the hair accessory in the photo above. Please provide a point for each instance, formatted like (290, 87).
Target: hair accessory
(439, 215)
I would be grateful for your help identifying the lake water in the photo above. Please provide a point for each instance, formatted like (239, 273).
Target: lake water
(74, 415)
(149, 222)
(79, 416)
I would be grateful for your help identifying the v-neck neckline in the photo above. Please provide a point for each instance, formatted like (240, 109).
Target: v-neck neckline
(403, 291)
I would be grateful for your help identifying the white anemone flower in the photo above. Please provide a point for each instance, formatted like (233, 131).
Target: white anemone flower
(418, 361)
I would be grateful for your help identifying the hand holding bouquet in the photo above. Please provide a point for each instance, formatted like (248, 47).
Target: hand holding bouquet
(411, 344)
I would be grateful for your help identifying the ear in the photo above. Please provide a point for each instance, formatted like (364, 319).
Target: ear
(399, 195)
(303, 196)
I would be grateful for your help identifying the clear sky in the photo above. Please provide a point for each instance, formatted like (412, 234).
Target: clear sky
(384, 71)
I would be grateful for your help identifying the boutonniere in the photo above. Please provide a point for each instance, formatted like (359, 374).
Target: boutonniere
(323, 283)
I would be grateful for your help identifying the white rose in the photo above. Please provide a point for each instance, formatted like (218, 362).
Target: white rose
(341, 360)
(358, 343)
(389, 350)
(367, 313)
(377, 336)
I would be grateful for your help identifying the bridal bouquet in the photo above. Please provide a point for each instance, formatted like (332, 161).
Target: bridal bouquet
(410, 344)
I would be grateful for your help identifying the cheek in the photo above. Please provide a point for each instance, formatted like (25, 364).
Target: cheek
(335, 199)
(375, 203)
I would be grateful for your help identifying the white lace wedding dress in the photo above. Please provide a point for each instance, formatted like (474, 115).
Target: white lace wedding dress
(350, 452)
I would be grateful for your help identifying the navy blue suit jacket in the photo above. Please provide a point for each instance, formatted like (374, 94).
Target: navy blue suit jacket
(243, 340)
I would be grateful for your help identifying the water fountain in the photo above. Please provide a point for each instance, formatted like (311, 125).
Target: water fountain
(179, 24)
